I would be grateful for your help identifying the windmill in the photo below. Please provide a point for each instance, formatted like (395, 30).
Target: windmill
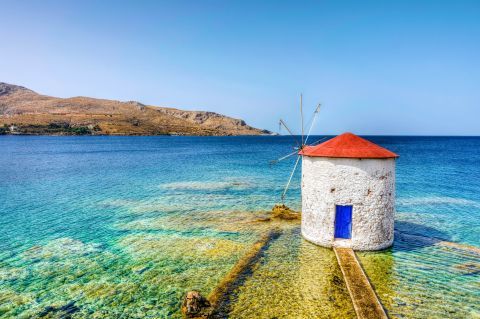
(299, 144)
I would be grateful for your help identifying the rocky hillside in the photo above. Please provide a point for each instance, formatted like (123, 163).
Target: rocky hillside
(23, 111)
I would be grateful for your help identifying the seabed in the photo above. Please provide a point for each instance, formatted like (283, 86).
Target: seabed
(227, 295)
(249, 265)
(315, 286)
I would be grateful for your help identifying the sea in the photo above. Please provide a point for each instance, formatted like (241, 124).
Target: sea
(123, 227)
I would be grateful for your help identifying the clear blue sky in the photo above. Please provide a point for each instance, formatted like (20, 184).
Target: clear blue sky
(379, 67)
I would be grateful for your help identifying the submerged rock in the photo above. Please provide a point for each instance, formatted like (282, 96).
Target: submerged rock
(61, 248)
(195, 305)
(282, 211)
(12, 274)
(64, 311)
(469, 268)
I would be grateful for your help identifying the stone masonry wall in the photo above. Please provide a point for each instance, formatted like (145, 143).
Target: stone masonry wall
(366, 184)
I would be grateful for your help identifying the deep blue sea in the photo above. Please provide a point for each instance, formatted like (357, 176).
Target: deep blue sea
(122, 227)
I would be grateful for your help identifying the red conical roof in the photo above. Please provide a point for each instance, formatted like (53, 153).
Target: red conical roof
(347, 145)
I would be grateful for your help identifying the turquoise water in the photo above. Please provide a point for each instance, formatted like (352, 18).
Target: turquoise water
(112, 227)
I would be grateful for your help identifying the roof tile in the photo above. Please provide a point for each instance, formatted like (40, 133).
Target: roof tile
(347, 145)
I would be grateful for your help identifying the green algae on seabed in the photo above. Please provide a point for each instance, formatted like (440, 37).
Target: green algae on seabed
(220, 297)
(220, 223)
(182, 202)
(414, 280)
(148, 270)
(144, 273)
(148, 280)
(11, 300)
(197, 196)
(294, 279)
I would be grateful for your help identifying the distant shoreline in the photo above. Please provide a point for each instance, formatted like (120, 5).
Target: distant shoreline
(265, 135)
(169, 135)
(23, 111)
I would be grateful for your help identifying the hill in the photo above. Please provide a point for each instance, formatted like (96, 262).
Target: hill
(23, 111)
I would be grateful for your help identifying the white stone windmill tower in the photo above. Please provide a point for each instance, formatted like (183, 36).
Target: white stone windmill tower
(348, 191)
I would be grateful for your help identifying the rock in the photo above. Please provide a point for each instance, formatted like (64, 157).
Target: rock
(399, 301)
(6, 88)
(469, 268)
(282, 211)
(64, 311)
(138, 105)
(195, 305)
(140, 269)
(337, 281)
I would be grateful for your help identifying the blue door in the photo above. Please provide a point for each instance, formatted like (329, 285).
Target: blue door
(343, 221)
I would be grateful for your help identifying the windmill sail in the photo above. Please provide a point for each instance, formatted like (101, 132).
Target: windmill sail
(290, 178)
(314, 117)
(300, 145)
(283, 157)
(286, 127)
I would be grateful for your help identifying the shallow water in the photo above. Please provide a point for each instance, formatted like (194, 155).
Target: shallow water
(112, 227)
(295, 279)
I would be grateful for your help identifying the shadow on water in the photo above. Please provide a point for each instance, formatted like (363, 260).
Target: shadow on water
(411, 236)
